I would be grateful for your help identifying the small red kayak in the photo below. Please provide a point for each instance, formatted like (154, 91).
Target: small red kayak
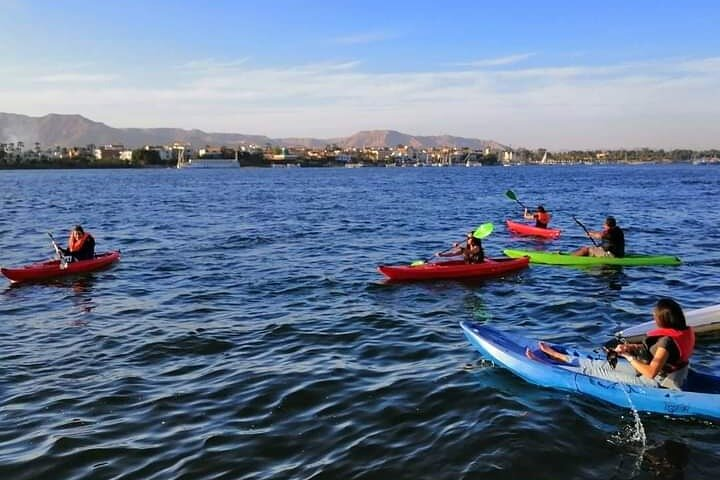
(53, 268)
(454, 269)
(531, 230)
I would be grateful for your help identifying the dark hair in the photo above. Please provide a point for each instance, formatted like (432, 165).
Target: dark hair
(541, 208)
(610, 221)
(474, 238)
(78, 228)
(669, 314)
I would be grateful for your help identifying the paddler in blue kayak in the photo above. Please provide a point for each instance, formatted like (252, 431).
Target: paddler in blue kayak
(661, 360)
(472, 252)
(541, 217)
(612, 240)
(81, 245)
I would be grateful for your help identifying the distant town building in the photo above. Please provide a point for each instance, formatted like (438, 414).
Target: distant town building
(343, 157)
(284, 156)
(108, 152)
(165, 153)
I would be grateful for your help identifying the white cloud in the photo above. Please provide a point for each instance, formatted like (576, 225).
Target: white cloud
(74, 78)
(658, 103)
(367, 37)
(494, 62)
(210, 64)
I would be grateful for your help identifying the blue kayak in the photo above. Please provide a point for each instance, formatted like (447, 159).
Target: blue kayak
(699, 398)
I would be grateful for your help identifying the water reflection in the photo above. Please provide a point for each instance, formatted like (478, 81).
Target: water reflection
(667, 460)
(612, 274)
(81, 289)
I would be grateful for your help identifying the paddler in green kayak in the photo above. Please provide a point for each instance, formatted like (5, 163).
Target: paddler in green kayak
(612, 243)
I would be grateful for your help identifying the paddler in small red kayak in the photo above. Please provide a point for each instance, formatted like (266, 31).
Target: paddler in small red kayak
(81, 245)
(541, 217)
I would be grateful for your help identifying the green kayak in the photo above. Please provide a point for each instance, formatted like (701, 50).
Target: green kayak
(563, 258)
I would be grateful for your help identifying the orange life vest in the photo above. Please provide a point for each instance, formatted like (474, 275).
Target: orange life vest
(542, 217)
(74, 245)
(684, 339)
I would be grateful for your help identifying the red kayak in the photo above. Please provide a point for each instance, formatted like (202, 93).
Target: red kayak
(532, 230)
(53, 268)
(454, 269)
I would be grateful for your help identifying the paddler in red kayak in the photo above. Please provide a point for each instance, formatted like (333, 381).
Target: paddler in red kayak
(472, 252)
(660, 361)
(541, 217)
(81, 245)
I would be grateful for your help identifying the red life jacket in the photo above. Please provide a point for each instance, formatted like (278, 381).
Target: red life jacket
(76, 245)
(684, 339)
(542, 217)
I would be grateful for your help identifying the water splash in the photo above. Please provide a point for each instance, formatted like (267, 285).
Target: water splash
(638, 431)
(633, 436)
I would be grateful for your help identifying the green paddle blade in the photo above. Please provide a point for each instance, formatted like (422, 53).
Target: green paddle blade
(417, 262)
(483, 230)
(511, 195)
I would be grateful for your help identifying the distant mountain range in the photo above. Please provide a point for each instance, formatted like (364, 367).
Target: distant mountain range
(76, 130)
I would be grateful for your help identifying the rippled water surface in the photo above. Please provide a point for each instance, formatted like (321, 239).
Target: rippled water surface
(246, 333)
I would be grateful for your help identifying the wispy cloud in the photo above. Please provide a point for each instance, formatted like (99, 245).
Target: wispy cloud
(540, 106)
(705, 65)
(495, 62)
(75, 78)
(211, 64)
(367, 37)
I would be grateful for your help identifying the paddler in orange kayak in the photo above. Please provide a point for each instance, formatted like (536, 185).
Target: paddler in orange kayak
(541, 217)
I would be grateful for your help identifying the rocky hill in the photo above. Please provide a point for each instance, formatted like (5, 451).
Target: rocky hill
(76, 130)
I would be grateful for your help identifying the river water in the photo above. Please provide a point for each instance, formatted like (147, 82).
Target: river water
(246, 333)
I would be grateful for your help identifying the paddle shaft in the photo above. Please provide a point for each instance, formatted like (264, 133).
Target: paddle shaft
(521, 204)
(57, 248)
(436, 255)
(586, 231)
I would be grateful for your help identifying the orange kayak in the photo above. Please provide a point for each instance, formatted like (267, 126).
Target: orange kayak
(531, 230)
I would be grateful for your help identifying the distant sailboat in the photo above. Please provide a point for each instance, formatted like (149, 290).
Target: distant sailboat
(181, 163)
(472, 161)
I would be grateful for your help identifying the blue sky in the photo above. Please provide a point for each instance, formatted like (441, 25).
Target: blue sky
(558, 75)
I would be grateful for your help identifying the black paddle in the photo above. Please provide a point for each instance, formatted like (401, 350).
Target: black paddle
(511, 195)
(586, 230)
